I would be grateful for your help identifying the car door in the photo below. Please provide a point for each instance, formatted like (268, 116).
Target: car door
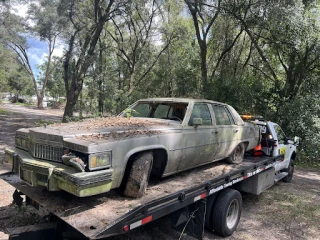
(227, 131)
(198, 142)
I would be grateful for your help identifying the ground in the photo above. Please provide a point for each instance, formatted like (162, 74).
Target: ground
(285, 211)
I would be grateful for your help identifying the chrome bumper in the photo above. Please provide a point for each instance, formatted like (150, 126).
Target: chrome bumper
(57, 176)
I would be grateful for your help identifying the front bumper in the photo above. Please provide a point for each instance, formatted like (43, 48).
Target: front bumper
(57, 176)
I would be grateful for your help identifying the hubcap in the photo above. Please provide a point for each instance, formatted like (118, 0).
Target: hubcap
(233, 213)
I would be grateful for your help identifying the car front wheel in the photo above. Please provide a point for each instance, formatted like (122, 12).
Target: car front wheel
(139, 175)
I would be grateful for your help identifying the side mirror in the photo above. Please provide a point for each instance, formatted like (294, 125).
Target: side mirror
(196, 122)
(296, 141)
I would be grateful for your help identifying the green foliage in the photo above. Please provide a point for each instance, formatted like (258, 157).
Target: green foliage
(129, 112)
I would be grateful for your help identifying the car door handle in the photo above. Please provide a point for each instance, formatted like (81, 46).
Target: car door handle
(216, 132)
(235, 131)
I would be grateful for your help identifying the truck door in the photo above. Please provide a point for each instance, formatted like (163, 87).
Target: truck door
(227, 131)
(281, 147)
(199, 144)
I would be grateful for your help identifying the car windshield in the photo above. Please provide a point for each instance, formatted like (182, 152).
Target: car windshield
(163, 110)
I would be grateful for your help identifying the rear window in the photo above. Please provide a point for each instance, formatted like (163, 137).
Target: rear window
(236, 116)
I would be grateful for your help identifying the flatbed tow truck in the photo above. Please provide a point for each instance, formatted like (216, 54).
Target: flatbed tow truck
(204, 197)
(196, 199)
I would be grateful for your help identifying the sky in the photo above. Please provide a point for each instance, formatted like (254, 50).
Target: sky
(38, 50)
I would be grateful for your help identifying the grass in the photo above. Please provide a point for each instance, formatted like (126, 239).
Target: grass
(23, 104)
(5, 112)
(308, 164)
(41, 122)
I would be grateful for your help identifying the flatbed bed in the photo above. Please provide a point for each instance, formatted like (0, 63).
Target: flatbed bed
(110, 214)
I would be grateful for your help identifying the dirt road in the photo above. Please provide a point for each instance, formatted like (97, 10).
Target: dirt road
(286, 211)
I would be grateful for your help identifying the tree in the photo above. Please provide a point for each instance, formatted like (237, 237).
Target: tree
(45, 24)
(54, 80)
(134, 34)
(48, 26)
(87, 23)
(205, 14)
(19, 82)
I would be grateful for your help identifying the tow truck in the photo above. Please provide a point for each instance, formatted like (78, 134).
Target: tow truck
(206, 197)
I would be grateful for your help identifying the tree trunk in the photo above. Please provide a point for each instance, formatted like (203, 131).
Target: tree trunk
(40, 102)
(204, 70)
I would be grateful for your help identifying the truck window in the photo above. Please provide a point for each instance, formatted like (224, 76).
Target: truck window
(223, 117)
(201, 111)
(280, 134)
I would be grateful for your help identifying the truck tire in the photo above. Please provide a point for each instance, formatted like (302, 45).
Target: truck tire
(226, 212)
(236, 156)
(290, 171)
(139, 175)
(208, 219)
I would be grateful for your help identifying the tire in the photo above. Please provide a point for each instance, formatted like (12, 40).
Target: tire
(236, 156)
(226, 212)
(138, 178)
(208, 219)
(290, 171)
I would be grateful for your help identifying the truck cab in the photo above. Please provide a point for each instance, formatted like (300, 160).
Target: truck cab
(274, 142)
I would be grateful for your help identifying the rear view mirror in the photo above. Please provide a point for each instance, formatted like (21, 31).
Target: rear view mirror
(296, 141)
(196, 122)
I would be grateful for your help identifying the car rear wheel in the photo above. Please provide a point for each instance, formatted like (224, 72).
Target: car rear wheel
(236, 156)
(139, 175)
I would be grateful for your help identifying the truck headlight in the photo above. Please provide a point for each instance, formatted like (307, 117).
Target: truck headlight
(99, 160)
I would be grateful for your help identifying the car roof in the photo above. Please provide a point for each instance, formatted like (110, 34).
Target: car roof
(183, 100)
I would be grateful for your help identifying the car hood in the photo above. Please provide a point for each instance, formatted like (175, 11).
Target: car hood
(100, 129)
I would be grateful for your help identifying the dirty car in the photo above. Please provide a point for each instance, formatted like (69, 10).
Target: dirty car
(157, 137)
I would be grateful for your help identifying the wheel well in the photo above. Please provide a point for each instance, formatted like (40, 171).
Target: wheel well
(245, 145)
(160, 158)
(293, 156)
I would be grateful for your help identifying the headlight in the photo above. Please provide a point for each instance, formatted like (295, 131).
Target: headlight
(22, 142)
(99, 160)
(18, 141)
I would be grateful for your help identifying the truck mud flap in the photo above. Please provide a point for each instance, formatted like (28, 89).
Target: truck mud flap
(191, 219)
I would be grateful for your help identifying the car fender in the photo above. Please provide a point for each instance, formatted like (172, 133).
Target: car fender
(137, 150)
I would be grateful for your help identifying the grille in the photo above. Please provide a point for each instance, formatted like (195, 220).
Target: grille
(46, 152)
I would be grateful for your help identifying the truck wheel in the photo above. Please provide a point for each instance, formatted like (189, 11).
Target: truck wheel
(236, 156)
(139, 175)
(290, 171)
(226, 212)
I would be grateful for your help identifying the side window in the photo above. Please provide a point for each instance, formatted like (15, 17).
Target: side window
(142, 110)
(161, 111)
(223, 117)
(280, 134)
(201, 111)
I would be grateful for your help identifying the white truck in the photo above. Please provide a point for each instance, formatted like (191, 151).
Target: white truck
(206, 197)
(274, 142)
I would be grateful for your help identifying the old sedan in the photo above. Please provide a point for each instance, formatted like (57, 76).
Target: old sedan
(159, 136)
